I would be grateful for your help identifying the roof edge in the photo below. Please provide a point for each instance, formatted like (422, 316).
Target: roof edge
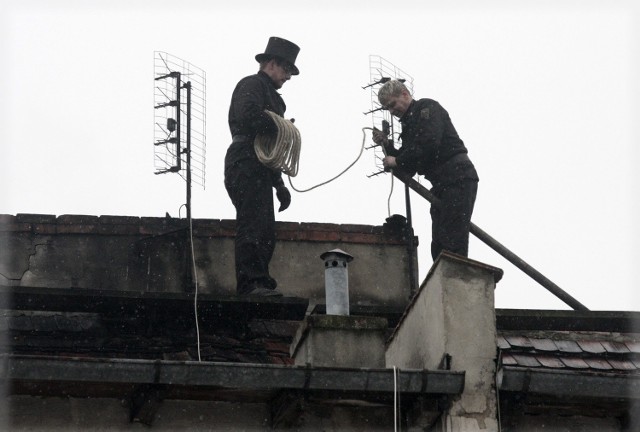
(228, 375)
(568, 320)
(569, 383)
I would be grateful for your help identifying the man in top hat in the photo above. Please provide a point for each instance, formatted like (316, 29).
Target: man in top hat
(248, 182)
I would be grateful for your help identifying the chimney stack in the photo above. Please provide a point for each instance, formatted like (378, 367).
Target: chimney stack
(336, 281)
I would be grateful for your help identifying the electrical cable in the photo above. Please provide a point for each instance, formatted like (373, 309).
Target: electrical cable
(395, 403)
(195, 279)
(283, 152)
(389, 199)
(364, 136)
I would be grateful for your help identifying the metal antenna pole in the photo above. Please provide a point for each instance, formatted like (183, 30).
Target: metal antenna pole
(189, 143)
(178, 122)
(413, 280)
(188, 149)
(189, 269)
(411, 249)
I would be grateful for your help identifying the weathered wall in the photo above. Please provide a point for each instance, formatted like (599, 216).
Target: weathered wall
(70, 414)
(151, 254)
(562, 423)
(340, 341)
(451, 324)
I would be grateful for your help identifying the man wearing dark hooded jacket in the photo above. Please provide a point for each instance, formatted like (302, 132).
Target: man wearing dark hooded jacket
(431, 147)
(248, 182)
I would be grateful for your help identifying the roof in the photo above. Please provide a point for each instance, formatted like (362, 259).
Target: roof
(580, 351)
(116, 340)
(569, 354)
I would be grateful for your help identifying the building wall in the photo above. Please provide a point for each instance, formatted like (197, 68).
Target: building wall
(151, 254)
(36, 414)
(561, 423)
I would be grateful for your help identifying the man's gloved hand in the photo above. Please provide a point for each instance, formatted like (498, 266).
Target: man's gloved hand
(284, 196)
(380, 137)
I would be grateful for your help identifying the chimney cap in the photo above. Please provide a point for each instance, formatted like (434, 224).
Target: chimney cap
(339, 252)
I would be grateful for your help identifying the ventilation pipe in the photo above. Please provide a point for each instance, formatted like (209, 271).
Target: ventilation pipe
(336, 281)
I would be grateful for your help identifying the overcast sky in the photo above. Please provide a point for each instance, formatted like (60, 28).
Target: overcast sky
(543, 93)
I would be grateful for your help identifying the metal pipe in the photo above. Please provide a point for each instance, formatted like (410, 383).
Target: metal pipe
(498, 247)
(411, 247)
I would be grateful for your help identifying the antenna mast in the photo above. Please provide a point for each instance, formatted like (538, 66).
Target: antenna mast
(179, 120)
(180, 128)
(380, 72)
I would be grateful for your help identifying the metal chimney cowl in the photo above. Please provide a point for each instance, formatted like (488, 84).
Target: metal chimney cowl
(336, 281)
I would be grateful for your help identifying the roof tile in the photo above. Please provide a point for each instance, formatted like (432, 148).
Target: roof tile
(596, 363)
(574, 363)
(519, 341)
(634, 346)
(526, 360)
(508, 360)
(550, 361)
(594, 347)
(624, 365)
(502, 343)
(615, 347)
(568, 346)
(544, 344)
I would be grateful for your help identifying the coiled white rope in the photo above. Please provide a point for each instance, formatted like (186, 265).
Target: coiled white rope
(283, 151)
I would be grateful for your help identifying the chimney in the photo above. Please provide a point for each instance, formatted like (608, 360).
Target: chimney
(337, 339)
(336, 281)
(451, 324)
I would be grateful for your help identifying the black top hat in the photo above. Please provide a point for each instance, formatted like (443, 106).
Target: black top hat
(281, 49)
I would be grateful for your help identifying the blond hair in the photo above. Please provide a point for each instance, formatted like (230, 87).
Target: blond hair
(389, 89)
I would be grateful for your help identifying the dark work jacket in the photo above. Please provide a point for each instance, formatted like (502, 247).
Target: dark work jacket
(252, 95)
(431, 146)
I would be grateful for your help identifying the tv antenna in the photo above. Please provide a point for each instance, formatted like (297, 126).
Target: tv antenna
(380, 72)
(179, 120)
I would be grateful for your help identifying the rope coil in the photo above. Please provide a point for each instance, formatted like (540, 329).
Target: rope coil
(281, 152)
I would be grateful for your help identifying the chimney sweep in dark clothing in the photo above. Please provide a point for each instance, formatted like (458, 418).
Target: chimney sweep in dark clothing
(248, 182)
(432, 148)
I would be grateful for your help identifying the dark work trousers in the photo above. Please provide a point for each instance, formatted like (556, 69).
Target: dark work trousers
(249, 186)
(451, 221)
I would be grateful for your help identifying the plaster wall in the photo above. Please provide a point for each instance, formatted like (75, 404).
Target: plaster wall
(153, 254)
(451, 324)
(340, 341)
